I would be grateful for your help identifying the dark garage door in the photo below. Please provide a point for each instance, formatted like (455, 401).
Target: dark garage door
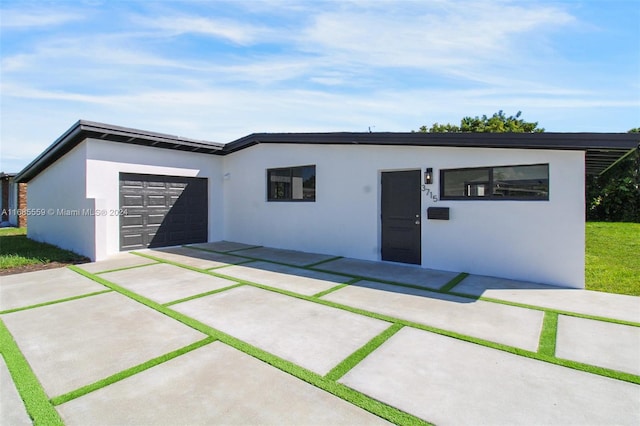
(162, 210)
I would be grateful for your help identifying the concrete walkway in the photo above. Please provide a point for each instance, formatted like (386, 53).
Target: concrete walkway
(235, 334)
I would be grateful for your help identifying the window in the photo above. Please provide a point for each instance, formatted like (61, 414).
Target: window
(529, 182)
(291, 184)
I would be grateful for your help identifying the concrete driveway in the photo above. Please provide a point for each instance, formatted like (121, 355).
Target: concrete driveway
(224, 333)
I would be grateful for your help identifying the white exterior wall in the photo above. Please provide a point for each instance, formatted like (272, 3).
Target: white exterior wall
(56, 190)
(105, 161)
(87, 179)
(539, 241)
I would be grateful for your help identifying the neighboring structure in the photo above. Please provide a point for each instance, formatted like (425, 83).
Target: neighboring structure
(13, 201)
(506, 205)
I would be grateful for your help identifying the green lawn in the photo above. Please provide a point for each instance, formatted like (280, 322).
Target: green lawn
(17, 250)
(613, 257)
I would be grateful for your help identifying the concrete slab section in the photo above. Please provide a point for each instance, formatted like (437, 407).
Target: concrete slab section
(75, 343)
(298, 258)
(313, 336)
(406, 274)
(491, 321)
(448, 381)
(193, 257)
(595, 303)
(215, 384)
(12, 409)
(224, 246)
(599, 343)
(164, 283)
(290, 278)
(32, 288)
(122, 260)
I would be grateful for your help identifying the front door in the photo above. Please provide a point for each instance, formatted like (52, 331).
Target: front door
(401, 216)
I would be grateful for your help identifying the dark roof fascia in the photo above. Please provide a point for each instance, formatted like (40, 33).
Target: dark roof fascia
(602, 149)
(7, 175)
(570, 141)
(83, 129)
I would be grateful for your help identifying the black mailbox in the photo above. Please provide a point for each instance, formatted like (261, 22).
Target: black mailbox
(438, 213)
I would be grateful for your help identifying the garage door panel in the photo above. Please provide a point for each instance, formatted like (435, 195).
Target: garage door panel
(132, 241)
(177, 185)
(157, 201)
(131, 183)
(155, 219)
(131, 220)
(131, 200)
(159, 210)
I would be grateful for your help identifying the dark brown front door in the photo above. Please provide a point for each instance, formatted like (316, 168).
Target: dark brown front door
(401, 216)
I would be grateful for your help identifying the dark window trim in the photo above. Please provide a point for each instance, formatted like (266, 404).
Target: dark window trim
(490, 196)
(289, 200)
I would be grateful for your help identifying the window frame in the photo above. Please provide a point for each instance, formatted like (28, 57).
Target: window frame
(290, 199)
(490, 196)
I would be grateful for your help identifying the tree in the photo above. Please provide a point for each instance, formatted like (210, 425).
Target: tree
(614, 196)
(497, 123)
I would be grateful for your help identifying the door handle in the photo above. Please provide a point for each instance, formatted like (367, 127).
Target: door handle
(417, 222)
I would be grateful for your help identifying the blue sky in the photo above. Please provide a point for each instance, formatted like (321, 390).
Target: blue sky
(217, 70)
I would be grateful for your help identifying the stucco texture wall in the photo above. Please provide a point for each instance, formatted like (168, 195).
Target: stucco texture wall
(106, 160)
(539, 241)
(57, 197)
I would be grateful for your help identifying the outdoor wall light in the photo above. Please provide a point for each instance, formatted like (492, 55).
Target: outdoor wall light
(428, 176)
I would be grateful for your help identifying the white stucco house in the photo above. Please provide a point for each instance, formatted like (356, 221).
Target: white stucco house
(505, 205)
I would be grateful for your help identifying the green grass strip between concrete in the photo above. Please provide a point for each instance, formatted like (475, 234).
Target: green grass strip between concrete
(357, 398)
(454, 282)
(129, 372)
(336, 288)
(126, 268)
(561, 312)
(547, 345)
(331, 259)
(446, 289)
(354, 359)
(199, 295)
(35, 399)
(233, 253)
(53, 302)
(244, 262)
(614, 374)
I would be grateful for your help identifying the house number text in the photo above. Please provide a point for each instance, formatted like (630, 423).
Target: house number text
(429, 193)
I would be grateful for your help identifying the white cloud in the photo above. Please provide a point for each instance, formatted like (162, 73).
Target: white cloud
(23, 20)
(444, 37)
(236, 32)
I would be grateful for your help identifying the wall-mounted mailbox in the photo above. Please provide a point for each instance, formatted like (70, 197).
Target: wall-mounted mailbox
(438, 213)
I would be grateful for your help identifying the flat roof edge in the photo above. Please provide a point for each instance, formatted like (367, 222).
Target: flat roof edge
(84, 129)
(609, 147)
